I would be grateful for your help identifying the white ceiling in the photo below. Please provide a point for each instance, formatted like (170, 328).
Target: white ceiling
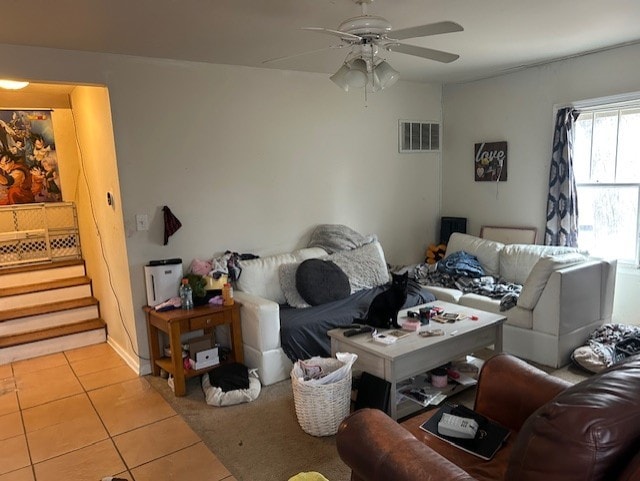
(498, 36)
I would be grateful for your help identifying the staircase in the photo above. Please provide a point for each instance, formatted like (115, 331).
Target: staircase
(47, 308)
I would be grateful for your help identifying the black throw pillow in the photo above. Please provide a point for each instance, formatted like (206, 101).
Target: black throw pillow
(319, 282)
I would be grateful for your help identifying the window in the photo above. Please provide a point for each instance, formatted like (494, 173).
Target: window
(606, 162)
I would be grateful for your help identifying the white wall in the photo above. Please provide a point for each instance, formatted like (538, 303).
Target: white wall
(518, 108)
(251, 159)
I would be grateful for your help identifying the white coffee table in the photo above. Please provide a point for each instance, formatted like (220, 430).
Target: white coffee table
(414, 355)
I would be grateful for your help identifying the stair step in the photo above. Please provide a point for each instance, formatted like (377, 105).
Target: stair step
(51, 333)
(11, 277)
(40, 266)
(33, 299)
(21, 312)
(45, 286)
(48, 319)
(53, 345)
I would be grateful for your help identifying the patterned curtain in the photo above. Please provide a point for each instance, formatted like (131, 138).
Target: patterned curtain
(562, 202)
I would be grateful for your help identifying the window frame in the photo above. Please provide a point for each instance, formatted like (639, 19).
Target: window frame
(632, 101)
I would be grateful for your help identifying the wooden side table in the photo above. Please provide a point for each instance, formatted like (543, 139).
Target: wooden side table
(177, 322)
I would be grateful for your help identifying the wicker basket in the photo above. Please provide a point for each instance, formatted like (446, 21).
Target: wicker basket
(321, 408)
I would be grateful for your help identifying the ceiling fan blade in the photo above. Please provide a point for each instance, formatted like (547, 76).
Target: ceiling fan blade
(308, 52)
(429, 53)
(426, 30)
(348, 37)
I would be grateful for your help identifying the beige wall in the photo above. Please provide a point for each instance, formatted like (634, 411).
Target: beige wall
(248, 159)
(518, 108)
(101, 225)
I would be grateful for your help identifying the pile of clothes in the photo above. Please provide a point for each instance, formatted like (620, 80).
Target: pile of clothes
(607, 345)
(464, 272)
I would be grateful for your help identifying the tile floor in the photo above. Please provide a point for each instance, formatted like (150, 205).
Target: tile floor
(84, 414)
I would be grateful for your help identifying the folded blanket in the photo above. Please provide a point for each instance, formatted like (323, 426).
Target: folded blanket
(336, 237)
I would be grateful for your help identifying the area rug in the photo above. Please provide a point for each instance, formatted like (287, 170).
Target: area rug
(257, 441)
(263, 441)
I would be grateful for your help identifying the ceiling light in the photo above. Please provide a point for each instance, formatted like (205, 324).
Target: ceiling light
(384, 75)
(357, 75)
(12, 84)
(340, 77)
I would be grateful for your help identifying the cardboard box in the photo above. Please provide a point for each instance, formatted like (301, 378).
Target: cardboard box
(198, 344)
(203, 352)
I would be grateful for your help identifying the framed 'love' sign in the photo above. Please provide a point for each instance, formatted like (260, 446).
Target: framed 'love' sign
(490, 161)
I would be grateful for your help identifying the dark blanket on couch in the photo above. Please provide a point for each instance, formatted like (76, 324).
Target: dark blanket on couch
(303, 332)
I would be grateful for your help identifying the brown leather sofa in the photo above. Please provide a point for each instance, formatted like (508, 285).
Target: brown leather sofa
(586, 432)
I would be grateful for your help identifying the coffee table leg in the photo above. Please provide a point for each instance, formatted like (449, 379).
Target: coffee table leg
(497, 346)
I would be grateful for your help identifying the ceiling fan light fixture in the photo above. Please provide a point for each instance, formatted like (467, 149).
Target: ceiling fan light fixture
(340, 77)
(357, 75)
(384, 75)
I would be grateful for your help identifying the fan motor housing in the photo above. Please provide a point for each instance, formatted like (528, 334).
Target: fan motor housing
(366, 25)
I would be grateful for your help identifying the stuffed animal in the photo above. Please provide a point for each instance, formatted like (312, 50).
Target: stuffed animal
(435, 253)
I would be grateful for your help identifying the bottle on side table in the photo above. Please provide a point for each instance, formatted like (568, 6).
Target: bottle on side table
(186, 294)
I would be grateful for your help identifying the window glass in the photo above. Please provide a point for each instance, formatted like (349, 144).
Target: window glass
(629, 146)
(605, 143)
(606, 161)
(608, 218)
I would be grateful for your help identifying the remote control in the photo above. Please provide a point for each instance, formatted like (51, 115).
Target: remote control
(457, 427)
(360, 330)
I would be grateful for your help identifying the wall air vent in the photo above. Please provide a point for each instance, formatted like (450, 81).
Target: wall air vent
(418, 136)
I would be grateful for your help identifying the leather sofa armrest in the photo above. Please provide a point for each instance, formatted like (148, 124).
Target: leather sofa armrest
(377, 448)
(510, 390)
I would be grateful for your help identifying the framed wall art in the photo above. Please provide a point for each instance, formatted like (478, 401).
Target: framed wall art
(490, 162)
(28, 160)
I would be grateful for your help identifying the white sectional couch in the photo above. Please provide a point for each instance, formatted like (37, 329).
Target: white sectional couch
(259, 292)
(565, 295)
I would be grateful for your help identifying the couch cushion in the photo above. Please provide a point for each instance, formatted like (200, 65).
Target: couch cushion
(260, 276)
(482, 303)
(539, 275)
(365, 266)
(587, 433)
(517, 260)
(320, 281)
(287, 275)
(487, 251)
(445, 294)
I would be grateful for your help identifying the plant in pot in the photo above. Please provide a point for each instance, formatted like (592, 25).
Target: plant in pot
(198, 283)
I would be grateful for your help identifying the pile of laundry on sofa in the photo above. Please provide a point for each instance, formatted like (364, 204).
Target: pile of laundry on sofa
(463, 271)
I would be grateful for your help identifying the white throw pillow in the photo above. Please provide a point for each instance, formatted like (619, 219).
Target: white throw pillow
(487, 251)
(542, 270)
(365, 266)
(261, 278)
(517, 260)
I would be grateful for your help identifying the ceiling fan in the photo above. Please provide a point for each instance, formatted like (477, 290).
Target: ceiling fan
(367, 35)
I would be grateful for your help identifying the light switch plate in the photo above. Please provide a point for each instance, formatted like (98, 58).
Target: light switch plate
(142, 222)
